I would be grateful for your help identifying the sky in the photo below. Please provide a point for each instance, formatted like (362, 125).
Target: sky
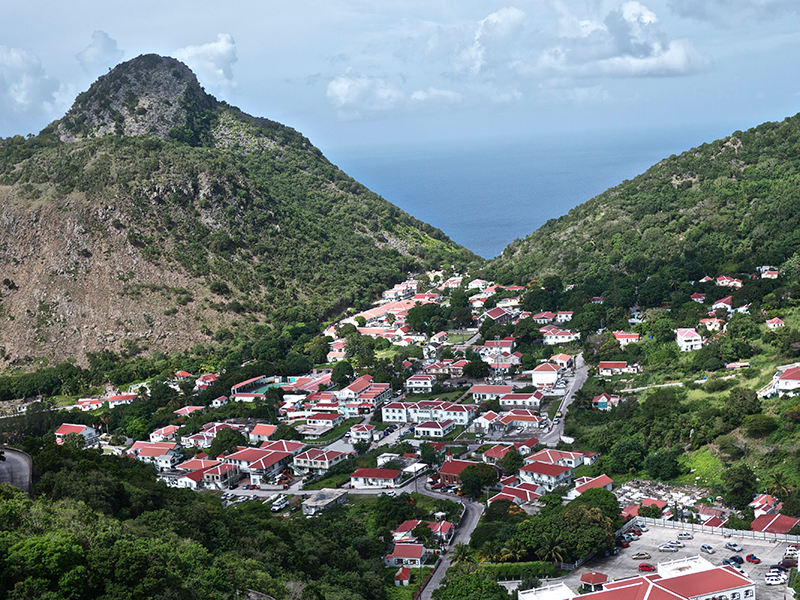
(359, 76)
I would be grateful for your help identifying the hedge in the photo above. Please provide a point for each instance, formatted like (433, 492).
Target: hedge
(521, 570)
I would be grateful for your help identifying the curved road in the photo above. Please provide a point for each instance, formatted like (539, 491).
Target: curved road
(16, 469)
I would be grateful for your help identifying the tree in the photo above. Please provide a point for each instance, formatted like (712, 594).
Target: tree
(342, 372)
(662, 465)
(477, 369)
(740, 485)
(75, 441)
(603, 499)
(512, 461)
(476, 477)
(650, 511)
(627, 455)
(422, 532)
(428, 454)
(226, 441)
(286, 432)
(758, 426)
(475, 586)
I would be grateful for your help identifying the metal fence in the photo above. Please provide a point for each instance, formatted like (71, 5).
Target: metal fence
(723, 531)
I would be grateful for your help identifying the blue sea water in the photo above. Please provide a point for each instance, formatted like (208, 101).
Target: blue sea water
(484, 195)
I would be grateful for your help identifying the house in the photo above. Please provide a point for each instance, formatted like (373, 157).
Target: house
(546, 475)
(764, 504)
(191, 479)
(563, 316)
(713, 324)
(87, 404)
(291, 446)
(562, 360)
(495, 453)
(775, 323)
(251, 384)
(317, 461)
(726, 303)
(558, 457)
(195, 464)
(325, 420)
(262, 465)
(187, 410)
(699, 298)
(498, 315)
(545, 375)
(121, 399)
(442, 531)
(533, 400)
(363, 432)
(436, 429)
(726, 281)
(524, 493)
(596, 300)
(262, 432)
(526, 447)
(409, 555)
(324, 498)
(90, 435)
(218, 402)
(770, 274)
(609, 368)
(402, 577)
(490, 392)
(206, 380)
(688, 339)
(420, 384)
(780, 524)
(520, 417)
(221, 476)
(477, 284)
(560, 336)
(788, 381)
(543, 318)
(588, 483)
(451, 469)
(605, 401)
(165, 434)
(624, 338)
(164, 455)
(375, 478)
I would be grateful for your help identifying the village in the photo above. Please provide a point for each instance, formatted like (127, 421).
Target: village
(511, 410)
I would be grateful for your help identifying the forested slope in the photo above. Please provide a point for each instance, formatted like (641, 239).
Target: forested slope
(724, 207)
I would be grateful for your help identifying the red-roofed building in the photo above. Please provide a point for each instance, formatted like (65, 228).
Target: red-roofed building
(262, 432)
(545, 375)
(495, 453)
(558, 457)
(363, 432)
(325, 420)
(291, 446)
(764, 504)
(498, 315)
(410, 555)
(402, 577)
(221, 476)
(90, 435)
(547, 475)
(165, 434)
(87, 404)
(183, 375)
(624, 338)
(317, 461)
(420, 384)
(780, 524)
(593, 582)
(605, 401)
(788, 381)
(194, 464)
(191, 480)
(775, 323)
(164, 455)
(688, 339)
(490, 392)
(251, 384)
(609, 368)
(589, 483)
(435, 429)
(451, 469)
(375, 478)
(533, 400)
(524, 493)
(187, 410)
(121, 399)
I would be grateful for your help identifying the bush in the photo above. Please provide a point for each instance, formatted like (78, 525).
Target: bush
(524, 570)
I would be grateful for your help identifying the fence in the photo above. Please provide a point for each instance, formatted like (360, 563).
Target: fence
(578, 563)
(723, 531)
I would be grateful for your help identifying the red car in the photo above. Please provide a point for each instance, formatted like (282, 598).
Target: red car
(752, 558)
(788, 563)
(437, 486)
(646, 567)
(622, 543)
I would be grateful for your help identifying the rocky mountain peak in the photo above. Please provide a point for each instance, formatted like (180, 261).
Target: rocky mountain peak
(150, 95)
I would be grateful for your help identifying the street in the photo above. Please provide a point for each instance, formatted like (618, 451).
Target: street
(553, 437)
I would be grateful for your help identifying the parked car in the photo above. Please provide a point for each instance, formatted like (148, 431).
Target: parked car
(780, 568)
(791, 552)
(707, 549)
(667, 548)
(641, 556)
(737, 559)
(642, 527)
(752, 558)
(623, 543)
(685, 536)
(556, 421)
(773, 579)
(646, 567)
(733, 546)
(728, 562)
(630, 536)
(437, 486)
(788, 562)
(677, 544)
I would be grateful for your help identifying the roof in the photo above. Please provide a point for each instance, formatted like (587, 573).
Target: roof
(434, 424)
(68, 428)
(498, 451)
(597, 482)
(454, 467)
(547, 368)
(283, 446)
(492, 389)
(792, 374)
(774, 524)
(325, 417)
(377, 473)
(403, 574)
(408, 550)
(594, 578)
(613, 364)
(263, 429)
(547, 469)
(187, 410)
(193, 464)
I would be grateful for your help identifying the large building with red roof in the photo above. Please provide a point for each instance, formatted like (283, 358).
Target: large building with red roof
(375, 478)
(90, 435)
(547, 475)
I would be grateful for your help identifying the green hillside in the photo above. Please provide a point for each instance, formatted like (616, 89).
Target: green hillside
(184, 208)
(724, 207)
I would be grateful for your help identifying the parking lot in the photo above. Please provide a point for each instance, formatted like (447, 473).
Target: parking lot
(622, 565)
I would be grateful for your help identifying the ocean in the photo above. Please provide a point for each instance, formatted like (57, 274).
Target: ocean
(484, 195)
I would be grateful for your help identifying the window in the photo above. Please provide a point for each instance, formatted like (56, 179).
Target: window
(748, 593)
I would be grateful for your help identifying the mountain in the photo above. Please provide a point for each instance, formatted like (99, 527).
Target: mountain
(153, 215)
(724, 207)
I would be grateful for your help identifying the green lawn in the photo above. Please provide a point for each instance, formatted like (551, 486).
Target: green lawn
(553, 408)
(707, 467)
(458, 338)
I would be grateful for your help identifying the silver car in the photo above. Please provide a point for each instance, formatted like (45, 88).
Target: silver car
(667, 548)
(708, 549)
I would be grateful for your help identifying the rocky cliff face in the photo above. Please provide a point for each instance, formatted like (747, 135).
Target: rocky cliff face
(148, 95)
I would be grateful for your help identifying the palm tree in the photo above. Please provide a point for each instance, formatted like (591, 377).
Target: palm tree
(463, 553)
(778, 486)
(513, 551)
(550, 551)
(488, 552)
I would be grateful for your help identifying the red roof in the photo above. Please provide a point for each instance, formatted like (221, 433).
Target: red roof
(67, 428)
(774, 524)
(597, 482)
(594, 578)
(610, 364)
(545, 469)
(408, 550)
(454, 467)
(403, 574)
(377, 473)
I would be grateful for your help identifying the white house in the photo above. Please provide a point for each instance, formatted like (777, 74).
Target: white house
(624, 338)
(409, 555)
(788, 382)
(560, 336)
(317, 460)
(434, 429)
(547, 475)
(775, 323)
(420, 384)
(375, 478)
(533, 400)
(363, 432)
(164, 455)
(490, 392)
(726, 303)
(545, 375)
(262, 432)
(90, 435)
(688, 339)
(165, 434)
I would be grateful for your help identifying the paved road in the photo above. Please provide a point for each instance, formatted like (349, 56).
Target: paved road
(17, 469)
(581, 374)
(468, 523)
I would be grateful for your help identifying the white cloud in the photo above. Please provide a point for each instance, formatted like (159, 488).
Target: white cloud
(733, 12)
(212, 62)
(25, 87)
(491, 43)
(355, 95)
(436, 95)
(629, 42)
(100, 54)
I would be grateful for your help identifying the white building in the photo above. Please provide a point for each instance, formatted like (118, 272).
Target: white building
(688, 339)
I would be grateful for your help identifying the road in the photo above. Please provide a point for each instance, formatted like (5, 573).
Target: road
(17, 469)
(581, 374)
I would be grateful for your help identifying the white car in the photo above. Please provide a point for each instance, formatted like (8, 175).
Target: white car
(685, 536)
(642, 527)
(708, 549)
(677, 544)
(771, 579)
(667, 548)
(791, 552)
(733, 546)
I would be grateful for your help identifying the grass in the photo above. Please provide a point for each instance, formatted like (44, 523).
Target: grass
(706, 466)
(404, 592)
(389, 353)
(553, 408)
(330, 481)
(458, 338)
